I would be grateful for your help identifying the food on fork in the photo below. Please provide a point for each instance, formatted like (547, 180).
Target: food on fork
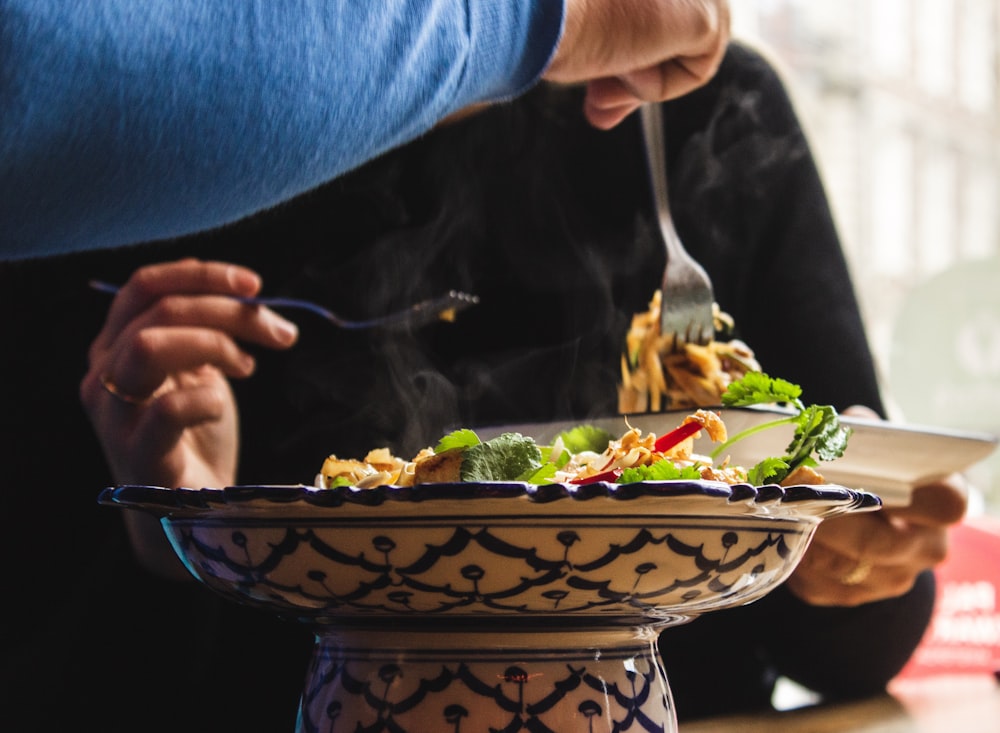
(587, 454)
(657, 376)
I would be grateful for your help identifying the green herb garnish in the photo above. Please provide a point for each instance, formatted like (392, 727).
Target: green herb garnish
(507, 457)
(514, 457)
(544, 475)
(659, 471)
(586, 438)
(817, 427)
(463, 438)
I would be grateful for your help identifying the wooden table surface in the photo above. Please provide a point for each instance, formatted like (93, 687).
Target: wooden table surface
(969, 704)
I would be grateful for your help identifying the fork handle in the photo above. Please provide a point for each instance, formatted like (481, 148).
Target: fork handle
(275, 302)
(103, 287)
(651, 114)
(656, 159)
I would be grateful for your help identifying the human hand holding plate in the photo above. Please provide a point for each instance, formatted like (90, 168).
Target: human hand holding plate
(861, 559)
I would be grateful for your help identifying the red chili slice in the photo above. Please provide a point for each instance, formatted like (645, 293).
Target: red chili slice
(668, 440)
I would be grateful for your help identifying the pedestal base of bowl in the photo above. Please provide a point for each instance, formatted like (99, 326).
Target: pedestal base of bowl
(588, 679)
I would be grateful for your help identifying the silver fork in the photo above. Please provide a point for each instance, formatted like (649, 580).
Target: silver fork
(444, 307)
(686, 293)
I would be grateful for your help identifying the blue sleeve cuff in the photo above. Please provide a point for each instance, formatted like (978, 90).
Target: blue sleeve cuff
(512, 44)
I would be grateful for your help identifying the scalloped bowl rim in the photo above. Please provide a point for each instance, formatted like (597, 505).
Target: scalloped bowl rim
(662, 498)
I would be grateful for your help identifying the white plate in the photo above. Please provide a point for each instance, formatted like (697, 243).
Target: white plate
(885, 458)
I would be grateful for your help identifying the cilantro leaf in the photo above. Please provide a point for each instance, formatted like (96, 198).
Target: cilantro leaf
(757, 388)
(544, 475)
(818, 431)
(586, 438)
(663, 470)
(507, 457)
(817, 427)
(766, 471)
(463, 438)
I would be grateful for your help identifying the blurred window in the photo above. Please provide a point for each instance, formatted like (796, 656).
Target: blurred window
(900, 101)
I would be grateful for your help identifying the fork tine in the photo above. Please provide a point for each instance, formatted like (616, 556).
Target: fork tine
(696, 333)
(442, 308)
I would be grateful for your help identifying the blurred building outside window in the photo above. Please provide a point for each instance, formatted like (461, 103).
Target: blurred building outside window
(901, 102)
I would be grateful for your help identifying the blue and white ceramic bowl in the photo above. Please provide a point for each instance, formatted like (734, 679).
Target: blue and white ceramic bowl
(494, 604)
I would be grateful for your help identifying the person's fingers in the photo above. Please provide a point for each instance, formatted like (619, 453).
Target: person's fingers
(881, 536)
(607, 38)
(861, 411)
(139, 368)
(144, 447)
(245, 322)
(151, 283)
(166, 421)
(93, 394)
(850, 540)
(670, 79)
(864, 558)
(939, 504)
(176, 332)
(843, 582)
(607, 102)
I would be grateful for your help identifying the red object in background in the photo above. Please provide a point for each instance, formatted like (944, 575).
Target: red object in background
(964, 635)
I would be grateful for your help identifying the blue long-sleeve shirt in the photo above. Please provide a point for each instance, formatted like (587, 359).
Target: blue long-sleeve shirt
(124, 121)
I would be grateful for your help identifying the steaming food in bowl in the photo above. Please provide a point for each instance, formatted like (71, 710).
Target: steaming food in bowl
(587, 454)
(656, 377)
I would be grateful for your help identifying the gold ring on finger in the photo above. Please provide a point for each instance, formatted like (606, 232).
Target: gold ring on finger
(122, 396)
(858, 574)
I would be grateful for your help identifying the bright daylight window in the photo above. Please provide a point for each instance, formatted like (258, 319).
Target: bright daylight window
(900, 101)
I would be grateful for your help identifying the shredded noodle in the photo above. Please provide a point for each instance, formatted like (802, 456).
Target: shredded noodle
(655, 377)
(633, 449)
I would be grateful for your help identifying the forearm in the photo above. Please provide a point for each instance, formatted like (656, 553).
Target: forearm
(124, 122)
